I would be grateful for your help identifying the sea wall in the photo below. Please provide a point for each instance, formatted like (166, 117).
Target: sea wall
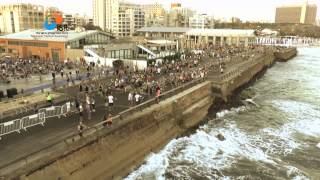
(111, 152)
(283, 55)
(107, 153)
(243, 74)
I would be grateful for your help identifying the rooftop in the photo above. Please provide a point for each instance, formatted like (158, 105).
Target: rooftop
(210, 32)
(164, 29)
(161, 42)
(221, 32)
(46, 35)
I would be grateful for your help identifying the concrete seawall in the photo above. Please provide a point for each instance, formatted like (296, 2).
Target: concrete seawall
(285, 54)
(107, 153)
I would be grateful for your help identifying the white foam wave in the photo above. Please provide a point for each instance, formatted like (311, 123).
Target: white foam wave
(205, 151)
(295, 174)
(304, 118)
(318, 145)
(156, 164)
(223, 113)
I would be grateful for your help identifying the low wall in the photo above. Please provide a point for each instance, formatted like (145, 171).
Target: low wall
(242, 75)
(104, 153)
(284, 55)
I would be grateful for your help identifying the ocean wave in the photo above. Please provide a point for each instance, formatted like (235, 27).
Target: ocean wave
(295, 174)
(304, 118)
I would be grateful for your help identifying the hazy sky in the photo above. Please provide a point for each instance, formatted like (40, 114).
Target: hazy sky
(245, 9)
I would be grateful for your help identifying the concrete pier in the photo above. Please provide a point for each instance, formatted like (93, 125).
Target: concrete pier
(110, 153)
(284, 55)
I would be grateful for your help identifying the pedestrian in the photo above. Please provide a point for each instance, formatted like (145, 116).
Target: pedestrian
(68, 105)
(61, 73)
(107, 120)
(93, 106)
(158, 93)
(87, 89)
(137, 98)
(50, 99)
(81, 112)
(81, 128)
(130, 98)
(110, 101)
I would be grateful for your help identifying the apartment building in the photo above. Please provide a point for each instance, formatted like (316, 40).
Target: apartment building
(121, 18)
(154, 14)
(201, 21)
(297, 14)
(178, 16)
(19, 17)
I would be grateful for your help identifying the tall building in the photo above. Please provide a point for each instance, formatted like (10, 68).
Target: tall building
(19, 17)
(201, 21)
(119, 17)
(154, 14)
(178, 16)
(303, 14)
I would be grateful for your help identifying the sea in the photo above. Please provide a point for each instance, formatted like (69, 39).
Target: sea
(276, 136)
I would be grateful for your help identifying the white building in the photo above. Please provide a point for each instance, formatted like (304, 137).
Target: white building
(121, 18)
(19, 17)
(201, 21)
(154, 14)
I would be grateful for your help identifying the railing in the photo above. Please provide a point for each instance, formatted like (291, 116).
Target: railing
(58, 111)
(35, 119)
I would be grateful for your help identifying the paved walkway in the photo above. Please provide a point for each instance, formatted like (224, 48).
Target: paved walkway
(15, 145)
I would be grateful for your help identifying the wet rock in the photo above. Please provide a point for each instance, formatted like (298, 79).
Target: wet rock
(247, 94)
(221, 137)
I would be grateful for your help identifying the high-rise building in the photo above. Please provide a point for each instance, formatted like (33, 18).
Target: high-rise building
(19, 17)
(119, 17)
(303, 14)
(154, 14)
(68, 19)
(201, 21)
(178, 16)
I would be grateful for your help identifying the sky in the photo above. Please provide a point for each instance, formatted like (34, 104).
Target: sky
(253, 10)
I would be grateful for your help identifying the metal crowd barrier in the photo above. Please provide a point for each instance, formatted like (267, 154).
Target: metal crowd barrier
(51, 111)
(33, 120)
(36, 119)
(10, 127)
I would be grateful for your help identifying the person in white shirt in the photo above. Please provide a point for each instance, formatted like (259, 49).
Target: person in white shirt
(110, 100)
(159, 71)
(137, 98)
(130, 98)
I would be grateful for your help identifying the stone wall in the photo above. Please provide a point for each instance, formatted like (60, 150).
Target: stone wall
(104, 152)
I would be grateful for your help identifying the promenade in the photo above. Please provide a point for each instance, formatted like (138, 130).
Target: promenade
(18, 145)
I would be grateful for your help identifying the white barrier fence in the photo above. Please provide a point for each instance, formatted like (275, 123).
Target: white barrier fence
(36, 119)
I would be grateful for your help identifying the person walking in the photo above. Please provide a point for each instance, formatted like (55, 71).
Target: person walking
(130, 98)
(81, 112)
(81, 128)
(93, 102)
(137, 98)
(158, 93)
(50, 99)
(107, 120)
(110, 102)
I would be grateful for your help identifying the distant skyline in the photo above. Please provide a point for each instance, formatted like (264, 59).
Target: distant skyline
(252, 10)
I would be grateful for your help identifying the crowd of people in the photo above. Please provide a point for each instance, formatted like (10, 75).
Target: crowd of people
(136, 84)
(160, 76)
(14, 69)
